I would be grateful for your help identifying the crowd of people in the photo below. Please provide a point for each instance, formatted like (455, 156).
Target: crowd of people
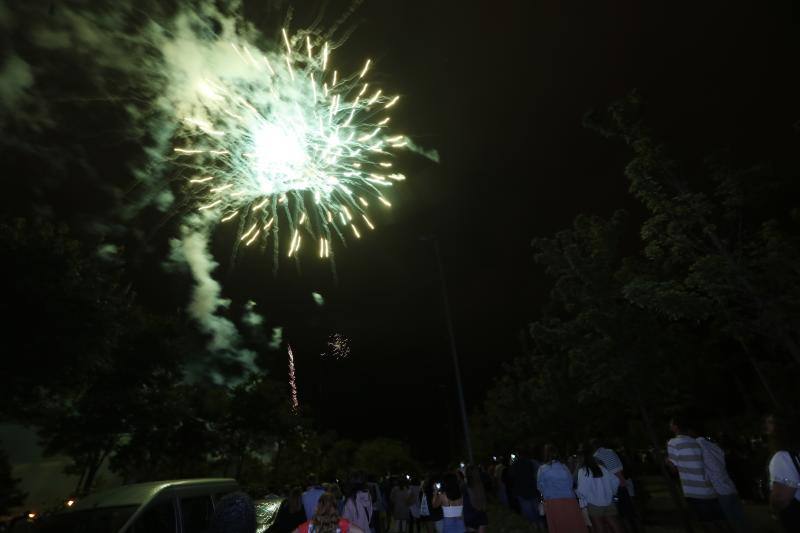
(589, 490)
(453, 502)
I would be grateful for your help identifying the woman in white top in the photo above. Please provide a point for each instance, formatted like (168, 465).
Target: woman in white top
(784, 471)
(449, 498)
(596, 489)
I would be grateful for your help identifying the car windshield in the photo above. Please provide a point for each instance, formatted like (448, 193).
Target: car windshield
(99, 520)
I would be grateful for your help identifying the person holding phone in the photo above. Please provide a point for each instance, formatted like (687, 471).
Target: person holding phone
(448, 497)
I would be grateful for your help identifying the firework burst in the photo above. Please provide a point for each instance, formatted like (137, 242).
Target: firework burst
(338, 347)
(296, 151)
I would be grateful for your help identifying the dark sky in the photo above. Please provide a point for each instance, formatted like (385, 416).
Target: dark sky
(500, 89)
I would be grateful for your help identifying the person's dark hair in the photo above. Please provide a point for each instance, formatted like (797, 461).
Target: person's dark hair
(295, 500)
(590, 463)
(353, 486)
(451, 487)
(234, 513)
(326, 517)
(684, 421)
(477, 494)
(784, 436)
(551, 453)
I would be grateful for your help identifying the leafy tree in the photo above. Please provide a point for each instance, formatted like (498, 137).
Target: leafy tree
(10, 494)
(63, 315)
(384, 456)
(89, 424)
(721, 243)
(257, 417)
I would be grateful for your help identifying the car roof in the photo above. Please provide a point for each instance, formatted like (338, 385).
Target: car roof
(139, 493)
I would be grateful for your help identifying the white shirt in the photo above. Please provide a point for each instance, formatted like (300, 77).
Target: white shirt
(782, 470)
(714, 463)
(687, 456)
(598, 491)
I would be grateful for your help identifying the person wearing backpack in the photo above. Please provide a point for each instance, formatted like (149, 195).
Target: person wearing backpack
(784, 472)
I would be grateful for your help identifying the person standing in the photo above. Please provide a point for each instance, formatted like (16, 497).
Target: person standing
(554, 482)
(624, 502)
(358, 504)
(717, 475)
(596, 489)
(291, 513)
(400, 505)
(449, 498)
(378, 508)
(685, 457)
(522, 476)
(475, 517)
(326, 518)
(413, 498)
(312, 494)
(426, 520)
(784, 471)
(432, 486)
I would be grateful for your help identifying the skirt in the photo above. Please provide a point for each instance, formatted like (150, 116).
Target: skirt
(564, 516)
(453, 525)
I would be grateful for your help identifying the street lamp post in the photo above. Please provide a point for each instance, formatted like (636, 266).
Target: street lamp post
(453, 349)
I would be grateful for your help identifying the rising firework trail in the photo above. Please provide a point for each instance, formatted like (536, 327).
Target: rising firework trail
(299, 153)
(292, 381)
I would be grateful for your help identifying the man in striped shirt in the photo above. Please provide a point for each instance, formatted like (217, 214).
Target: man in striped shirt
(685, 456)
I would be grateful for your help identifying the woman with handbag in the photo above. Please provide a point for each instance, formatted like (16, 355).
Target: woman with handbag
(596, 489)
(555, 482)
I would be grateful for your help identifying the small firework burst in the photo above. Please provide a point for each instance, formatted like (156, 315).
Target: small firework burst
(338, 347)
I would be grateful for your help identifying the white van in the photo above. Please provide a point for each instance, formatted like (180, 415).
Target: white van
(181, 506)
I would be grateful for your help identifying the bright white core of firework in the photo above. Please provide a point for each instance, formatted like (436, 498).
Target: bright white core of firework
(280, 159)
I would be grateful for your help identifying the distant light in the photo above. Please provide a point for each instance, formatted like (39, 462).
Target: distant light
(408, 477)
(463, 465)
(70, 503)
(494, 458)
(31, 515)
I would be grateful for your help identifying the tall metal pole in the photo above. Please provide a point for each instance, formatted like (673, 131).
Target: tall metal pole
(453, 349)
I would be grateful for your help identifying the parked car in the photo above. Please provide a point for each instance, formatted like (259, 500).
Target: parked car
(180, 506)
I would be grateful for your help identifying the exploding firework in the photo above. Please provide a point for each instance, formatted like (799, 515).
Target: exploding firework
(291, 143)
(292, 381)
(338, 347)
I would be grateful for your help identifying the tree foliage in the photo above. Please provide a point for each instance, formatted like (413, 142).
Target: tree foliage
(684, 317)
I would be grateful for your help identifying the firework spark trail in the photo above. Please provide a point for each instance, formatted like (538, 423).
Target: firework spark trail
(292, 381)
(290, 141)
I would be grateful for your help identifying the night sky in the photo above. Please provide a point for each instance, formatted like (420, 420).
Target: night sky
(499, 89)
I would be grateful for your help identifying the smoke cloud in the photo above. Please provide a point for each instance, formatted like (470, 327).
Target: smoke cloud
(207, 303)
